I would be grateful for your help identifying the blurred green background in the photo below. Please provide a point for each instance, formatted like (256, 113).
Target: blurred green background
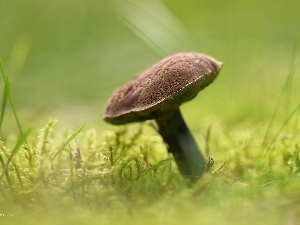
(66, 57)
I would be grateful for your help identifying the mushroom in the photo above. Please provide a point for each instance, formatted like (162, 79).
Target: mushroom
(157, 94)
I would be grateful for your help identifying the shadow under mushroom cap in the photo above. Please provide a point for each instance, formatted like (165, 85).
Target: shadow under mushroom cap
(164, 86)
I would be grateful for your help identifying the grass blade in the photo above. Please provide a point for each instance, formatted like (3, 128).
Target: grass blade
(2, 69)
(286, 121)
(142, 16)
(19, 176)
(7, 95)
(286, 89)
(12, 104)
(6, 91)
(15, 150)
(5, 172)
(68, 141)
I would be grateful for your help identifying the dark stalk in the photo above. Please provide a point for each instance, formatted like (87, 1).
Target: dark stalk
(180, 142)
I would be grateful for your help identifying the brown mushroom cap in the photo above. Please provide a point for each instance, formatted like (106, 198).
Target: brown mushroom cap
(164, 86)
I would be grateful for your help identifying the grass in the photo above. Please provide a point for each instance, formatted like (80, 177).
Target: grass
(248, 121)
(126, 177)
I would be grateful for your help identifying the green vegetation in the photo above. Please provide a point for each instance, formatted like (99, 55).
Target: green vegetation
(63, 59)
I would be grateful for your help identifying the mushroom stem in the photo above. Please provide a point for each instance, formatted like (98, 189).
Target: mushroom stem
(180, 142)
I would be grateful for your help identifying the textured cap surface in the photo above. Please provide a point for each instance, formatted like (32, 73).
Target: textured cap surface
(164, 86)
